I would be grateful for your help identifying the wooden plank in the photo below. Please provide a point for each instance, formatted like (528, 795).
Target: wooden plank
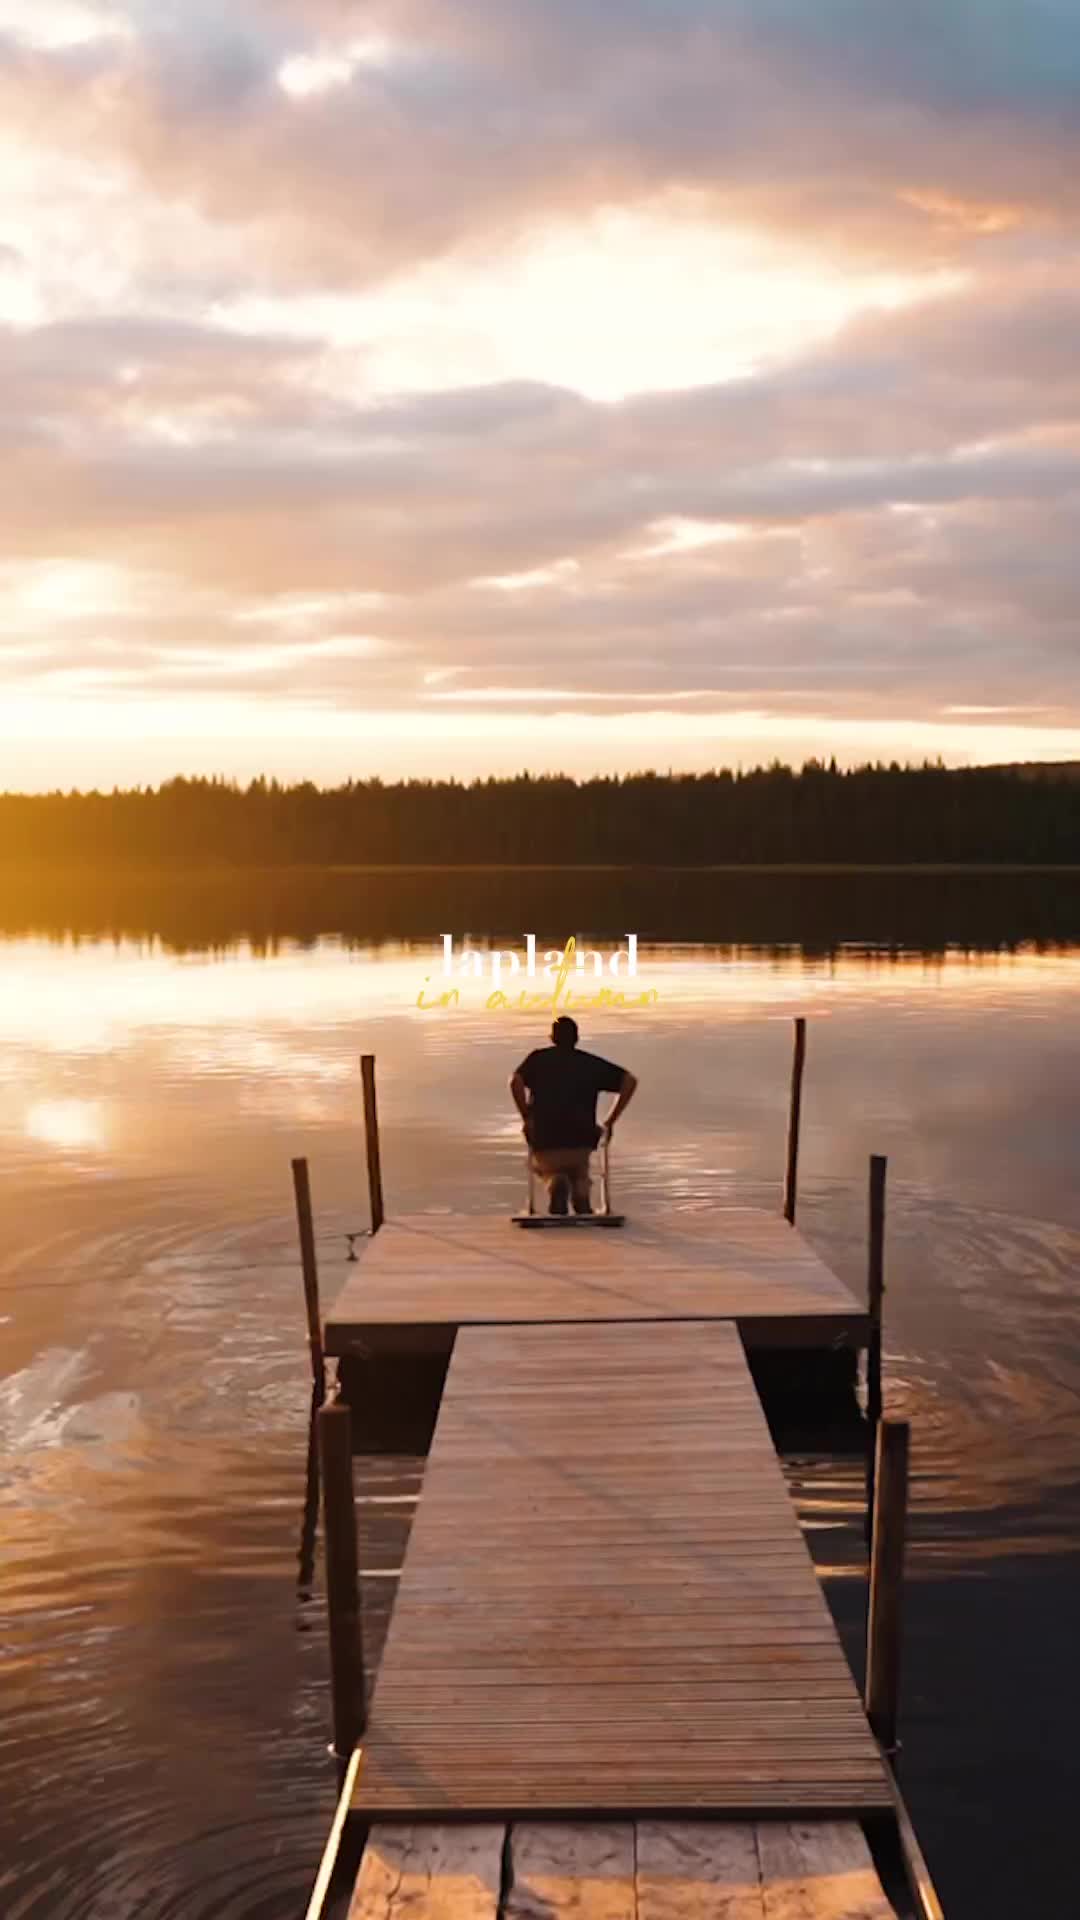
(430, 1872)
(698, 1870)
(771, 1870)
(583, 1870)
(607, 1606)
(423, 1273)
(819, 1870)
(608, 1870)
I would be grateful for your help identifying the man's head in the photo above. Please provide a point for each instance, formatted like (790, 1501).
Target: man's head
(564, 1032)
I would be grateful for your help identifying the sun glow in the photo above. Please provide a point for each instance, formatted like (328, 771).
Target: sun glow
(47, 593)
(560, 573)
(680, 535)
(493, 730)
(55, 24)
(328, 68)
(72, 1126)
(651, 299)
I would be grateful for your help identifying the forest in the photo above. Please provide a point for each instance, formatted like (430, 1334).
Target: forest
(818, 813)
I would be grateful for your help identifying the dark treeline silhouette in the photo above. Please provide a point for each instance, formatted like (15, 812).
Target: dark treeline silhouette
(777, 814)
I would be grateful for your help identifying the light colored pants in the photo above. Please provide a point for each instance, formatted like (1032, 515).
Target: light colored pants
(562, 1168)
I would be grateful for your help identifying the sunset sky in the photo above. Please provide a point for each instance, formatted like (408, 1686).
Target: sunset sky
(415, 386)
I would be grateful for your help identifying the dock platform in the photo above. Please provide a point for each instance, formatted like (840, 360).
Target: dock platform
(422, 1276)
(607, 1605)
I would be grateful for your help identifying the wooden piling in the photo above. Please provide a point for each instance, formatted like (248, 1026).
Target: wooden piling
(306, 1225)
(875, 1290)
(309, 1525)
(792, 1175)
(371, 1141)
(883, 1635)
(342, 1577)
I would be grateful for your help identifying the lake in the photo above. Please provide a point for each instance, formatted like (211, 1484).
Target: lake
(163, 1744)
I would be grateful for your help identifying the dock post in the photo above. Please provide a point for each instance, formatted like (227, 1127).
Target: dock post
(371, 1141)
(875, 1290)
(342, 1578)
(792, 1175)
(309, 1525)
(883, 1633)
(305, 1222)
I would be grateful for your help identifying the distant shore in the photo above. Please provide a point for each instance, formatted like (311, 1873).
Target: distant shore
(817, 906)
(163, 870)
(814, 821)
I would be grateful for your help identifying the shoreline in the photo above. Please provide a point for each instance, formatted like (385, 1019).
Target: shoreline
(142, 870)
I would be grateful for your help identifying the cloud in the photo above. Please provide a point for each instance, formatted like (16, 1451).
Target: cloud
(448, 360)
(475, 121)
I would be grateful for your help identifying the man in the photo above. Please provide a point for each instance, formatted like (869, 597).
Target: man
(555, 1091)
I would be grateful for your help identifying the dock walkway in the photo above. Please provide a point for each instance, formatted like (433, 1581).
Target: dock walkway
(607, 1607)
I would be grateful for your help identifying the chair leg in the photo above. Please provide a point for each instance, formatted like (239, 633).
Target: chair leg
(560, 1194)
(581, 1192)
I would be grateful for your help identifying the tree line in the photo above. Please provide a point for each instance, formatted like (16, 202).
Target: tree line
(865, 815)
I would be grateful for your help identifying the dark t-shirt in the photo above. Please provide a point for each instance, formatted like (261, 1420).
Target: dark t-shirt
(564, 1083)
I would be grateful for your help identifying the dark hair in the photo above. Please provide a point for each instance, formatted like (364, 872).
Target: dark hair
(564, 1032)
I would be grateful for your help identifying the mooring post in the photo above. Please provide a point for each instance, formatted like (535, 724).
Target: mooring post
(371, 1141)
(342, 1577)
(791, 1178)
(883, 1632)
(306, 1224)
(309, 1525)
(875, 1290)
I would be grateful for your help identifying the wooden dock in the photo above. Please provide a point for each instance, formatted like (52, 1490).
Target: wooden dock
(611, 1684)
(423, 1276)
(607, 1604)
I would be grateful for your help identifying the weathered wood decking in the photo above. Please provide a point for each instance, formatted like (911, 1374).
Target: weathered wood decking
(424, 1275)
(607, 1606)
(642, 1870)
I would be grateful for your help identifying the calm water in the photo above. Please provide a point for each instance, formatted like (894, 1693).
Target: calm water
(163, 1741)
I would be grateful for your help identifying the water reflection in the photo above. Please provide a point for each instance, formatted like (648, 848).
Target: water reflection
(817, 910)
(67, 1124)
(163, 1751)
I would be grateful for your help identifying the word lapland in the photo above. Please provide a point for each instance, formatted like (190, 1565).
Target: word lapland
(472, 960)
(559, 969)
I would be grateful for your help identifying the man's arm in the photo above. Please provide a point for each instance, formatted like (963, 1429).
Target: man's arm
(627, 1090)
(520, 1093)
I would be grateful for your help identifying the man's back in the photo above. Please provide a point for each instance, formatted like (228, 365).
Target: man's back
(564, 1083)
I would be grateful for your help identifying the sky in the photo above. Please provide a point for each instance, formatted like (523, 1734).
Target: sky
(429, 386)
